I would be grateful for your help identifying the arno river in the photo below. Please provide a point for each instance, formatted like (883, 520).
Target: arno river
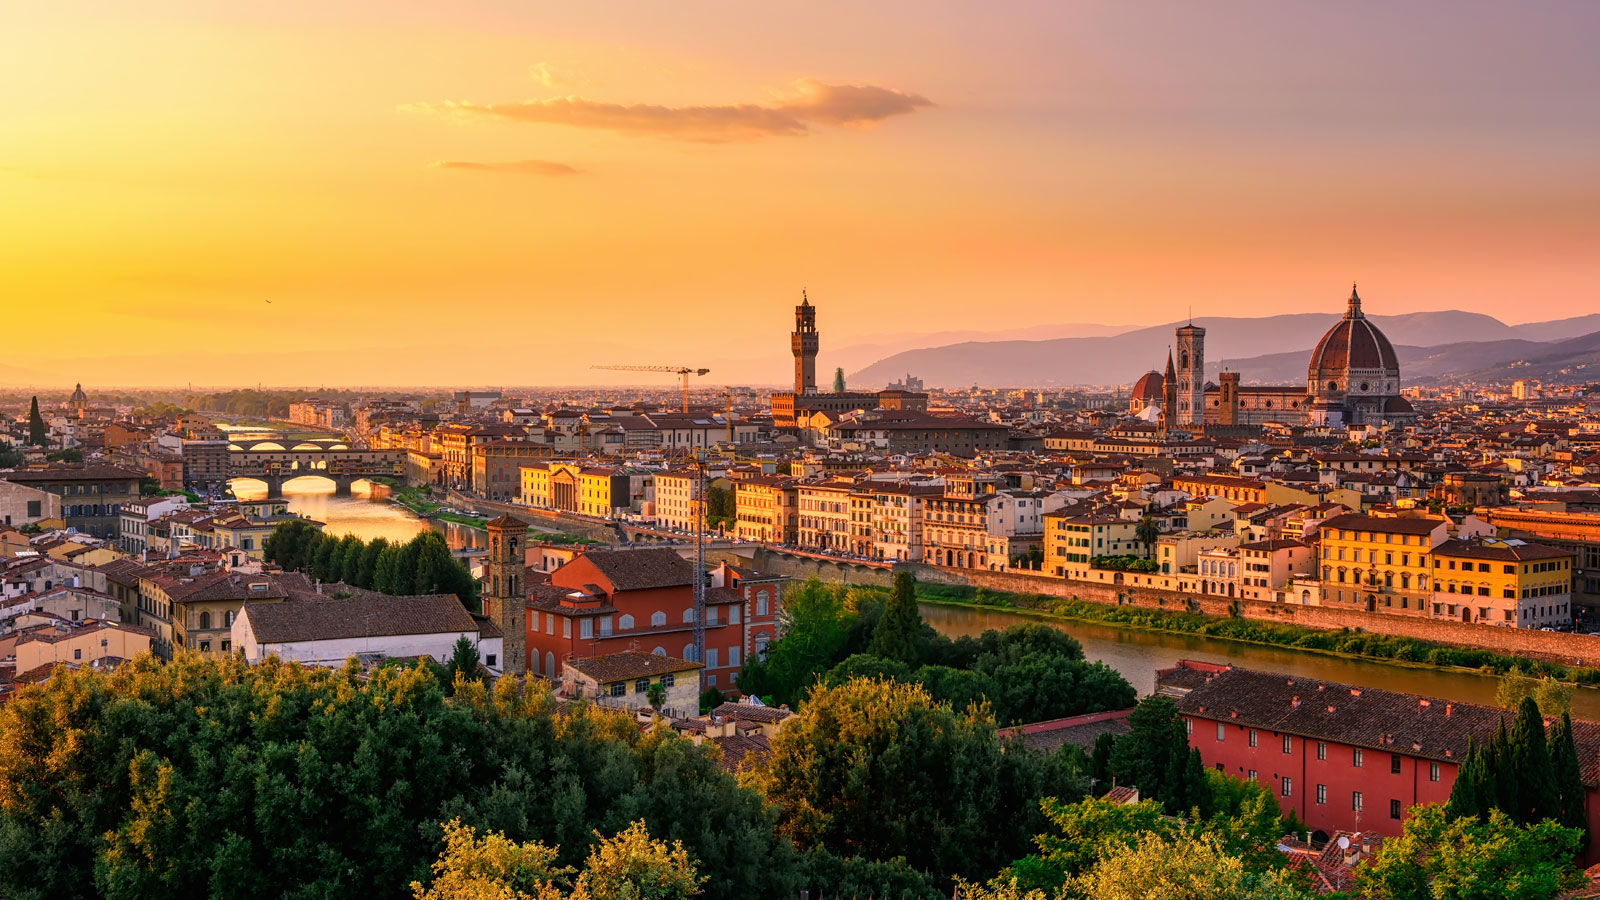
(1136, 654)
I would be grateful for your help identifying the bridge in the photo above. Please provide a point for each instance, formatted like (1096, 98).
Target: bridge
(286, 442)
(342, 467)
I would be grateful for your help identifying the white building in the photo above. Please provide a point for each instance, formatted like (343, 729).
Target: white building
(326, 632)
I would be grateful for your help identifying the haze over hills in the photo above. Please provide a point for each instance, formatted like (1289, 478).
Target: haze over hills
(1238, 341)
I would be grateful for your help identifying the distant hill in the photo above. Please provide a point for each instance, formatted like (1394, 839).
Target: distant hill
(1124, 357)
(1557, 361)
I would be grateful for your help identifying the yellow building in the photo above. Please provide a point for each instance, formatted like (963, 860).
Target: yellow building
(824, 516)
(1071, 540)
(80, 645)
(570, 487)
(1379, 563)
(1507, 583)
(766, 509)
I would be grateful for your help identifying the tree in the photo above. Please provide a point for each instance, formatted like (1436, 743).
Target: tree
(1155, 757)
(351, 551)
(721, 508)
(69, 455)
(463, 664)
(387, 571)
(288, 543)
(278, 780)
(11, 457)
(838, 381)
(815, 628)
(369, 562)
(627, 866)
(1570, 792)
(1553, 697)
(324, 566)
(1146, 533)
(1159, 868)
(1440, 857)
(899, 632)
(880, 770)
(1537, 795)
(38, 435)
(1100, 759)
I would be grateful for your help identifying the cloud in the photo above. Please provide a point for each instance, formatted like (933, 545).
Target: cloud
(517, 167)
(808, 102)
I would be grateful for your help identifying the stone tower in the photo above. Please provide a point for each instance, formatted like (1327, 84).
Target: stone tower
(505, 596)
(1191, 375)
(804, 342)
(1228, 413)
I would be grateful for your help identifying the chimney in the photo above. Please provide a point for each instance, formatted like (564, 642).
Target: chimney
(1355, 692)
(1366, 842)
(1294, 701)
(1448, 707)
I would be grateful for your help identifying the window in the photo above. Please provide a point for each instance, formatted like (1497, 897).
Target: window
(488, 660)
(1288, 787)
(625, 623)
(77, 654)
(711, 657)
(1394, 764)
(1252, 775)
(549, 623)
(658, 619)
(1433, 771)
(1356, 758)
(761, 603)
(205, 620)
(1355, 801)
(667, 680)
(586, 627)
(1188, 726)
(226, 644)
(605, 626)
(733, 656)
(205, 646)
(1220, 731)
(566, 627)
(1252, 737)
(1394, 809)
(1322, 794)
(688, 615)
(1322, 750)
(1286, 748)
(618, 689)
(641, 685)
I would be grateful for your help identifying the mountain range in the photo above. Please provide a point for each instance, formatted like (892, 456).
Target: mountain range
(1432, 346)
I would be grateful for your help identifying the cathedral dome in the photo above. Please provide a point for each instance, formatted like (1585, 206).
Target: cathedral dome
(1148, 388)
(1353, 343)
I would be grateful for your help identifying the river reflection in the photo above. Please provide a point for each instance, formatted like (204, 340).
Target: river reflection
(367, 513)
(1137, 655)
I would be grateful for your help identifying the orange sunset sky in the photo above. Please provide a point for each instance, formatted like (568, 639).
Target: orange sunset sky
(508, 192)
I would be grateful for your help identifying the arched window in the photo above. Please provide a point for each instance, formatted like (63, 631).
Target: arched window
(625, 623)
(205, 620)
(549, 665)
(688, 616)
(660, 651)
(227, 619)
(658, 619)
(688, 653)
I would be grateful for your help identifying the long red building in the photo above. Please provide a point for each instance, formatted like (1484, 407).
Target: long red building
(606, 601)
(1343, 757)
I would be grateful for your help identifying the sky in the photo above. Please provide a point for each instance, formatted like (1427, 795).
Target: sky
(400, 192)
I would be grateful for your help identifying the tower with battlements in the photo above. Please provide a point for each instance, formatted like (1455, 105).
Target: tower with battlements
(804, 343)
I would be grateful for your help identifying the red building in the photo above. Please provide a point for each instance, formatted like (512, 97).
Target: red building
(606, 601)
(1342, 757)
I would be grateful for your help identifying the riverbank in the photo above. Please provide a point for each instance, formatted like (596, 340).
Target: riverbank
(420, 501)
(1388, 649)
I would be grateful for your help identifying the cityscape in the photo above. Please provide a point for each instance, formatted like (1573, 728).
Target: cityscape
(629, 493)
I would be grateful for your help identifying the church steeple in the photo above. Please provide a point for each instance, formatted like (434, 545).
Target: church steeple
(1354, 312)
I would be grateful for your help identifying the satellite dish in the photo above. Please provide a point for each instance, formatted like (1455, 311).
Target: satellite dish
(1344, 842)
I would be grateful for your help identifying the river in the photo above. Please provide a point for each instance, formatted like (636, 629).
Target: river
(367, 513)
(1138, 654)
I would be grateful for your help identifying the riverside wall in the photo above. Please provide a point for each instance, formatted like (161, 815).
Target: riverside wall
(1571, 649)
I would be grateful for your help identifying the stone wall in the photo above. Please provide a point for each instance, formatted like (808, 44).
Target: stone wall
(800, 567)
(540, 519)
(1575, 649)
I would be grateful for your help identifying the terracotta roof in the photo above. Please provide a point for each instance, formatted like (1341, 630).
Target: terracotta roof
(1382, 524)
(630, 664)
(1353, 343)
(365, 615)
(642, 569)
(749, 712)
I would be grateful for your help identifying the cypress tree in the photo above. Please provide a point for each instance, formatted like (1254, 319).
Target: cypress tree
(1568, 777)
(1466, 793)
(37, 435)
(899, 631)
(1536, 797)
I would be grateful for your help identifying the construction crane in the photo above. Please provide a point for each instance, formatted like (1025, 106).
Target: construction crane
(684, 371)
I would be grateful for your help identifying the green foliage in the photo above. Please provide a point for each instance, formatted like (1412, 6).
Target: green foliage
(898, 635)
(721, 507)
(1522, 774)
(38, 435)
(711, 698)
(69, 455)
(1552, 697)
(210, 778)
(1182, 868)
(421, 566)
(655, 695)
(11, 457)
(1125, 563)
(816, 627)
(463, 664)
(879, 770)
(838, 381)
(1443, 857)
(827, 875)
(1147, 532)
(1155, 757)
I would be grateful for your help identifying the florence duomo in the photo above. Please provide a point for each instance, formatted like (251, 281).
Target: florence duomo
(1352, 378)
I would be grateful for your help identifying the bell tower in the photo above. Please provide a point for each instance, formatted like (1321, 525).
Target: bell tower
(804, 343)
(505, 596)
(1191, 375)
